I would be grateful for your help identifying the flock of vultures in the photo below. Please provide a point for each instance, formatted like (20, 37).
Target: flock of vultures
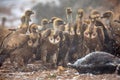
(89, 44)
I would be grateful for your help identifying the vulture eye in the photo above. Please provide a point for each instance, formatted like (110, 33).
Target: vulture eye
(86, 33)
(51, 39)
(58, 38)
(30, 43)
(93, 35)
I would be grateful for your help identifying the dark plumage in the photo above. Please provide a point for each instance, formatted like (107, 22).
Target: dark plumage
(108, 45)
(114, 28)
(9, 40)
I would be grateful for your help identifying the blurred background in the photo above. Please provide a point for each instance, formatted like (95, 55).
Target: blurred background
(14, 9)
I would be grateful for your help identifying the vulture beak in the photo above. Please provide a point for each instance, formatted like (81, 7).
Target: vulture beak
(102, 17)
(50, 21)
(64, 23)
(32, 12)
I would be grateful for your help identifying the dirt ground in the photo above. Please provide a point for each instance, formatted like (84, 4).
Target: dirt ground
(36, 71)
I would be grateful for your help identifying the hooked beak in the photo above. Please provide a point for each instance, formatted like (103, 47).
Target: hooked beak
(102, 17)
(50, 21)
(32, 12)
(64, 23)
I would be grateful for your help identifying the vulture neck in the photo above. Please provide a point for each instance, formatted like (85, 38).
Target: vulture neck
(3, 23)
(69, 18)
(44, 26)
(110, 20)
(79, 20)
(24, 26)
(92, 26)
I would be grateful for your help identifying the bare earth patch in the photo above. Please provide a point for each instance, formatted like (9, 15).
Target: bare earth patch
(36, 71)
